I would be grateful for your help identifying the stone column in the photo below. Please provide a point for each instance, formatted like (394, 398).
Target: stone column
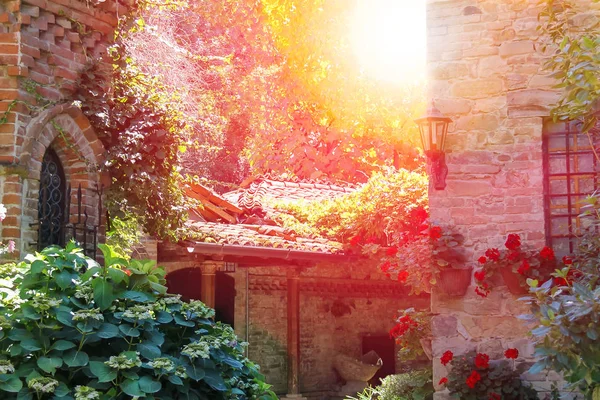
(293, 335)
(207, 289)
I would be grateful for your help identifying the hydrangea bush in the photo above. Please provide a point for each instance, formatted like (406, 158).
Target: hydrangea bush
(72, 329)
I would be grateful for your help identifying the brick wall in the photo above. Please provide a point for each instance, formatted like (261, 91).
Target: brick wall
(44, 45)
(485, 72)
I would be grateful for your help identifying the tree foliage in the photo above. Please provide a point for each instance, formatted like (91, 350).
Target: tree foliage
(72, 329)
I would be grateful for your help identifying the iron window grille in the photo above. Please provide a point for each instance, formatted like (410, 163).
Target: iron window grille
(570, 175)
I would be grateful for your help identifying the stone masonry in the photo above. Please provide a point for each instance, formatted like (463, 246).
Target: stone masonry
(44, 44)
(485, 72)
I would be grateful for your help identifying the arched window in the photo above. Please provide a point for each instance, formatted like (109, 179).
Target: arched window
(51, 205)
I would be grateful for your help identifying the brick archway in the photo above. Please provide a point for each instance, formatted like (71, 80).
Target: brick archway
(68, 132)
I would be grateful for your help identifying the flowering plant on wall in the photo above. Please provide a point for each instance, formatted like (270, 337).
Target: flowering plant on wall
(419, 262)
(411, 330)
(475, 377)
(10, 246)
(523, 263)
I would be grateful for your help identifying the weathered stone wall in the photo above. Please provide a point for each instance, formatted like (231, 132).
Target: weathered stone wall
(485, 72)
(44, 45)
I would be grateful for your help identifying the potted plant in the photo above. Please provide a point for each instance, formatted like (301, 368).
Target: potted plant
(515, 264)
(412, 333)
(433, 258)
(474, 376)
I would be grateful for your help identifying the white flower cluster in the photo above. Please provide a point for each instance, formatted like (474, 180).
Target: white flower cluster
(84, 315)
(196, 349)
(122, 361)
(173, 299)
(162, 363)
(139, 312)
(6, 367)
(85, 292)
(43, 384)
(198, 308)
(10, 247)
(180, 372)
(41, 302)
(86, 393)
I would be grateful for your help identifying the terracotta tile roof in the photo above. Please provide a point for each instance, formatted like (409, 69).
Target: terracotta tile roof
(218, 221)
(261, 191)
(260, 236)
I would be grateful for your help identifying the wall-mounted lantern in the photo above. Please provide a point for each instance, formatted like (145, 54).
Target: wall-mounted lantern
(433, 127)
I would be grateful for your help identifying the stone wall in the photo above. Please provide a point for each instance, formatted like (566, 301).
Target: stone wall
(44, 45)
(485, 72)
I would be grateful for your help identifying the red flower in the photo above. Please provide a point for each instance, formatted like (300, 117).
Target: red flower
(493, 254)
(482, 260)
(385, 267)
(355, 240)
(567, 260)
(482, 360)
(524, 267)
(547, 253)
(402, 275)
(513, 241)
(473, 379)
(391, 251)
(559, 282)
(511, 353)
(513, 256)
(371, 240)
(443, 381)
(479, 275)
(494, 396)
(435, 232)
(482, 290)
(446, 357)
(128, 272)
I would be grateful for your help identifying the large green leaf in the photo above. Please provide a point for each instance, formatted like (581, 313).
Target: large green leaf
(149, 350)
(132, 388)
(62, 345)
(117, 275)
(103, 293)
(148, 385)
(214, 380)
(194, 372)
(76, 358)
(12, 385)
(129, 330)
(31, 345)
(63, 279)
(65, 317)
(49, 364)
(108, 331)
(102, 371)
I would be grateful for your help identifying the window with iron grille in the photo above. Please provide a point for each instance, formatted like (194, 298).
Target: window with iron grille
(570, 174)
(51, 205)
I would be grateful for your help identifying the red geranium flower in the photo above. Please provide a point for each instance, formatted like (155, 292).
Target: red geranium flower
(482, 260)
(446, 357)
(385, 267)
(513, 241)
(371, 240)
(547, 253)
(559, 282)
(495, 396)
(524, 267)
(479, 275)
(493, 254)
(482, 360)
(511, 353)
(391, 251)
(435, 232)
(567, 260)
(443, 381)
(402, 275)
(355, 240)
(473, 379)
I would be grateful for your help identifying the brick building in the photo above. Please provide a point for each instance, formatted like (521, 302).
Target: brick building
(511, 170)
(298, 301)
(46, 143)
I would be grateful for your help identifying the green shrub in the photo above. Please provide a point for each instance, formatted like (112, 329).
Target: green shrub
(414, 385)
(71, 329)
